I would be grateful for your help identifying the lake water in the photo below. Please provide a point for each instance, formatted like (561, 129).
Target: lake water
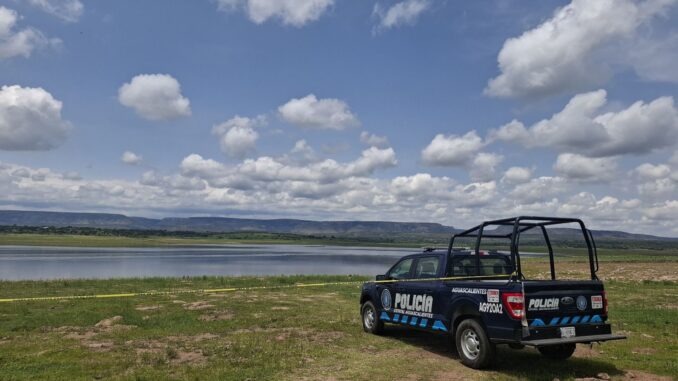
(31, 262)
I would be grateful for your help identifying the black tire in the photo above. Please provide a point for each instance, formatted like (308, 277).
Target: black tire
(557, 352)
(370, 319)
(474, 348)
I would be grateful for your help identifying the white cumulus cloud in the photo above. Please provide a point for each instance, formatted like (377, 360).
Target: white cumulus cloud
(311, 112)
(484, 166)
(578, 167)
(452, 150)
(373, 140)
(237, 136)
(30, 119)
(291, 12)
(564, 52)
(196, 165)
(580, 127)
(517, 175)
(67, 10)
(651, 171)
(23, 42)
(131, 158)
(155, 97)
(402, 13)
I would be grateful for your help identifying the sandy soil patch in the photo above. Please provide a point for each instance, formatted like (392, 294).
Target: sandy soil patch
(199, 305)
(86, 335)
(451, 376)
(279, 334)
(585, 351)
(147, 308)
(643, 351)
(176, 349)
(97, 346)
(642, 376)
(216, 316)
(629, 375)
(107, 323)
(192, 358)
(280, 308)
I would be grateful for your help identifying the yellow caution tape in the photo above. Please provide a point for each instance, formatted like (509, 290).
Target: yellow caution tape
(232, 289)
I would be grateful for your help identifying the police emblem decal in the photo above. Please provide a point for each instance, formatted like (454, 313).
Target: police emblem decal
(581, 303)
(386, 299)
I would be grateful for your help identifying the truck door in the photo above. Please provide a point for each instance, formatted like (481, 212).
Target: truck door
(423, 299)
(388, 290)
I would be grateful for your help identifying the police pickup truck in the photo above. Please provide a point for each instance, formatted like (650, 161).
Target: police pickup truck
(481, 298)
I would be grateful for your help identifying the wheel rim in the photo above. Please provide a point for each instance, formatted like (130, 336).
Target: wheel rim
(369, 318)
(470, 344)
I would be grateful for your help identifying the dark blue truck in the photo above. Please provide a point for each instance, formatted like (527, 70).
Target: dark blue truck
(481, 298)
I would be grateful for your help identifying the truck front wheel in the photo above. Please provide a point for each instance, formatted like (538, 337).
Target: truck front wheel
(371, 321)
(474, 348)
(558, 352)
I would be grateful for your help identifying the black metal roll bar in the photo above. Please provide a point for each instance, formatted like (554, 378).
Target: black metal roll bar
(520, 225)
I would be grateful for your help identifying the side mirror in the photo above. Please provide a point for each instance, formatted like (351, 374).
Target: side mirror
(382, 277)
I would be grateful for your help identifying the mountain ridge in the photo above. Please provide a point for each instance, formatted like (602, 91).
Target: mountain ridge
(231, 224)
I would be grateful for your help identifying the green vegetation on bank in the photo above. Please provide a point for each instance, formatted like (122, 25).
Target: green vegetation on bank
(158, 241)
(98, 237)
(286, 334)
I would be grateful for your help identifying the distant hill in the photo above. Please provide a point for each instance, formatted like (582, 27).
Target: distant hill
(219, 224)
(291, 226)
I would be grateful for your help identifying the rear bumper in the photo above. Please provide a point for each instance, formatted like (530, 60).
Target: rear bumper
(540, 336)
(569, 340)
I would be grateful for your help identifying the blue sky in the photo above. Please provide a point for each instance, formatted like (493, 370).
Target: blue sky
(413, 110)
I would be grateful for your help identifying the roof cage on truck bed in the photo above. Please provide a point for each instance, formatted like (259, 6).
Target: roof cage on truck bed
(521, 225)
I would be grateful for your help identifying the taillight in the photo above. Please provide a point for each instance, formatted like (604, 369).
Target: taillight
(515, 304)
(604, 304)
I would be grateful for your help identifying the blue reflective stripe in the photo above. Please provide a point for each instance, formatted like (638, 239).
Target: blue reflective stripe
(596, 319)
(413, 321)
(439, 326)
(554, 321)
(396, 317)
(585, 319)
(404, 319)
(575, 320)
(384, 316)
(565, 320)
(537, 323)
(423, 323)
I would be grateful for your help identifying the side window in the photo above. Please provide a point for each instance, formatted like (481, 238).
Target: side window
(495, 266)
(465, 266)
(427, 267)
(401, 270)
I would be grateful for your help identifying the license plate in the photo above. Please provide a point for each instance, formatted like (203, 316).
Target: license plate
(566, 332)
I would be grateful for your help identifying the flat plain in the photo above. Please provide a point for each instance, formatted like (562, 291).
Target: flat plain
(309, 333)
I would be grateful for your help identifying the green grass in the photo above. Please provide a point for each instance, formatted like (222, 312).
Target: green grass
(285, 334)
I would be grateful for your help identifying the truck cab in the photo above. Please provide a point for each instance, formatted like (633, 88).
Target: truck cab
(481, 298)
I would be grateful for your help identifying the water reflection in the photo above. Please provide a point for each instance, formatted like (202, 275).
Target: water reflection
(31, 262)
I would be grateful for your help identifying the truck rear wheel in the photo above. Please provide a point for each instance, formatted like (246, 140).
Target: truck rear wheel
(557, 352)
(474, 348)
(371, 321)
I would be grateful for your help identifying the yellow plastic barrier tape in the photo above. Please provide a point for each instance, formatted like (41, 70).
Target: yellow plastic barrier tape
(232, 289)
